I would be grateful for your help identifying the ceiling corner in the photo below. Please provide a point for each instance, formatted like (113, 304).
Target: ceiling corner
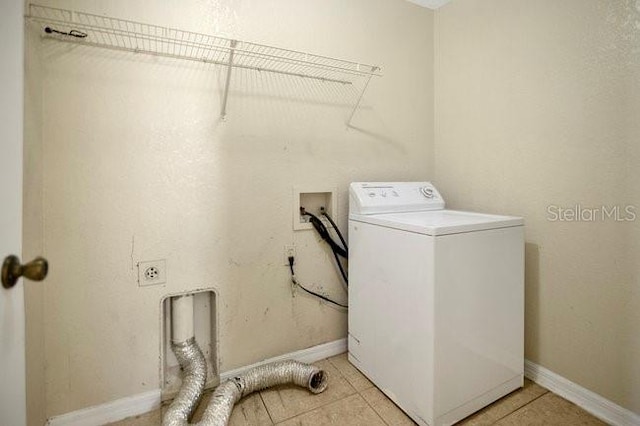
(430, 4)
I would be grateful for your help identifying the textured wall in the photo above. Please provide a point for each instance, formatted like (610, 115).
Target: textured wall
(137, 166)
(32, 229)
(537, 104)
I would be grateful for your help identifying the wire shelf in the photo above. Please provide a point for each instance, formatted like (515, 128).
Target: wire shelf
(125, 35)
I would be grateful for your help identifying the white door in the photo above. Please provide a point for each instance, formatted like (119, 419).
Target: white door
(13, 410)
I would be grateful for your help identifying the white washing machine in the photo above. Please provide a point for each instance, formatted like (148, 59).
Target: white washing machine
(436, 300)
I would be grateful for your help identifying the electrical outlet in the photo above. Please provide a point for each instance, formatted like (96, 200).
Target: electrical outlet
(289, 250)
(152, 272)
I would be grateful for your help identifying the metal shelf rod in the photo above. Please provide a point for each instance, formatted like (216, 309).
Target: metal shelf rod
(355, 107)
(223, 112)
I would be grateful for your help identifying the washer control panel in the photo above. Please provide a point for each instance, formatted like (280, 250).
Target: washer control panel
(393, 197)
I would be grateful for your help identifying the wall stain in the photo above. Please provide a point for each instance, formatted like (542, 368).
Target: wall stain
(133, 243)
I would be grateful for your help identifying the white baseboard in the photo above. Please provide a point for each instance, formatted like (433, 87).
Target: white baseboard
(109, 412)
(309, 355)
(582, 397)
(134, 405)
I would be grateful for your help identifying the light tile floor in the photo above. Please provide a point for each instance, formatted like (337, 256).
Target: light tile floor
(352, 400)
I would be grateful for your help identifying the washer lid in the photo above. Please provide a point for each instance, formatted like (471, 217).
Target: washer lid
(439, 222)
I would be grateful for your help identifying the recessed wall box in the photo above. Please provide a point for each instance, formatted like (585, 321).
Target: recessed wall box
(205, 330)
(312, 199)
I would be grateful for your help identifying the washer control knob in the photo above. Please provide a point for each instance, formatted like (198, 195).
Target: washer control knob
(427, 192)
(372, 194)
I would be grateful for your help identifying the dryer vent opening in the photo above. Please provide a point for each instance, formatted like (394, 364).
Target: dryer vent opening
(193, 373)
(186, 315)
(318, 381)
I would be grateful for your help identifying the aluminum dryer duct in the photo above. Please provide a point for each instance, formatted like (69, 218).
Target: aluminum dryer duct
(228, 393)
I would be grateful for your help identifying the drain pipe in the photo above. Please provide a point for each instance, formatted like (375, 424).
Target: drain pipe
(228, 393)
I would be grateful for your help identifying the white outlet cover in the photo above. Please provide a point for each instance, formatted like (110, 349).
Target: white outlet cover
(152, 272)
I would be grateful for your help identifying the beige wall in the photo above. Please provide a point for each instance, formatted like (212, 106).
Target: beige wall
(137, 166)
(33, 230)
(537, 104)
(126, 160)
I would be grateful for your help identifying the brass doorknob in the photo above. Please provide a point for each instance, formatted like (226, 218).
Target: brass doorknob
(36, 270)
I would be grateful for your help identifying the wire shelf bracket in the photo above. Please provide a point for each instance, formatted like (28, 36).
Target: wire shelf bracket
(223, 111)
(137, 37)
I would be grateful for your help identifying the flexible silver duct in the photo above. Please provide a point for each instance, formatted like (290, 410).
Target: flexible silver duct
(228, 393)
(194, 370)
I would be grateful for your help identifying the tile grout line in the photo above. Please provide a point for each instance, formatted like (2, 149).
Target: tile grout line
(355, 392)
(341, 374)
(316, 408)
(522, 406)
(371, 406)
(347, 379)
(264, 404)
(359, 392)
